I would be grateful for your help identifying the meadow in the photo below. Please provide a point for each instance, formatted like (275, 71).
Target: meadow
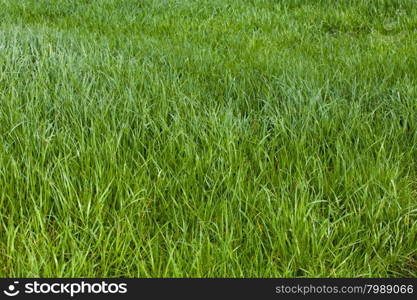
(209, 138)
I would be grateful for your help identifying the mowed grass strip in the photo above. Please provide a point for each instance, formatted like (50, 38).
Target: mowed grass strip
(205, 138)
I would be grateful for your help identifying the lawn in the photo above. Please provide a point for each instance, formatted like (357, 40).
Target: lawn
(208, 138)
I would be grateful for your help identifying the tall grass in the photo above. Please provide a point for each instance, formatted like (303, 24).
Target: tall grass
(189, 138)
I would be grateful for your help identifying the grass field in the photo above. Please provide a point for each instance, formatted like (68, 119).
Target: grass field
(210, 138)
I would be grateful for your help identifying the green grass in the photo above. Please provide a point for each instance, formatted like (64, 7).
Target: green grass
(215, 138)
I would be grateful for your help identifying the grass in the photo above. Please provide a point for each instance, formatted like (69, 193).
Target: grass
(213, 138)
